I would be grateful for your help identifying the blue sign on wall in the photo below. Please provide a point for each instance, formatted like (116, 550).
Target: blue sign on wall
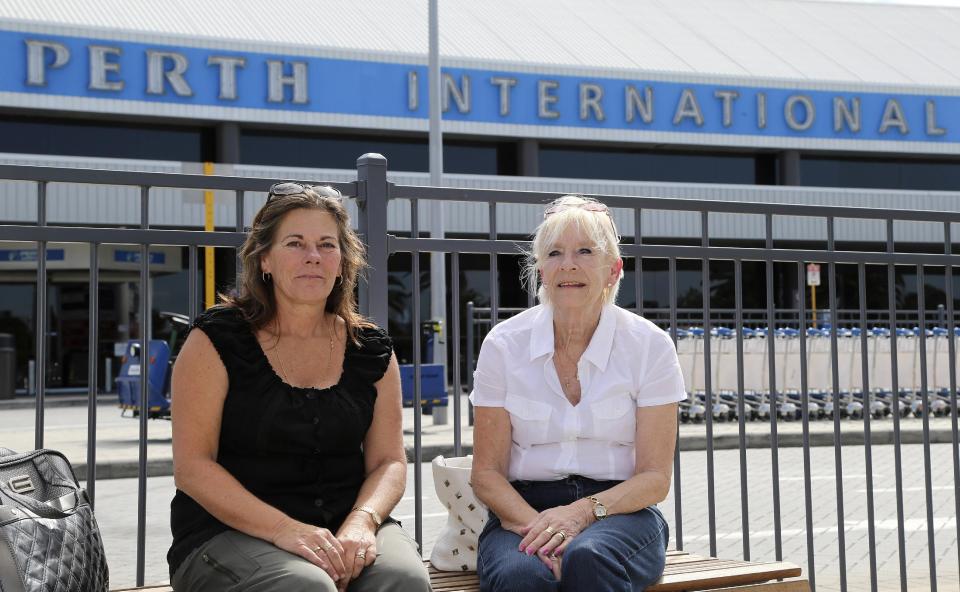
(28, 255)
(153, 73)
(121, 256)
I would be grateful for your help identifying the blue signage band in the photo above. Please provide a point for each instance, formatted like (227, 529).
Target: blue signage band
(62, 66)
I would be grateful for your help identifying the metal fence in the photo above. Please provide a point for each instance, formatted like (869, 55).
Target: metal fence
(373, 193)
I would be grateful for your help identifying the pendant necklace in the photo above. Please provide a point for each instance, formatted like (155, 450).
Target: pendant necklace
(326, 367)
(571, 380)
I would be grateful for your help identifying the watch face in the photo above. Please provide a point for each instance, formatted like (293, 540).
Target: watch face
(600, 511)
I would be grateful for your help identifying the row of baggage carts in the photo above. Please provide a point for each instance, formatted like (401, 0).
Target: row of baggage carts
(852, 400)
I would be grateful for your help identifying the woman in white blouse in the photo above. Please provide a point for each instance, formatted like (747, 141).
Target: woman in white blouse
(576, 419)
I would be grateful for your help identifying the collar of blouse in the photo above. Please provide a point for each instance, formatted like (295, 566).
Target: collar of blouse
(597, 352)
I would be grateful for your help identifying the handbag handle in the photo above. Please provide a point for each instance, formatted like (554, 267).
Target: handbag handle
(60, 507)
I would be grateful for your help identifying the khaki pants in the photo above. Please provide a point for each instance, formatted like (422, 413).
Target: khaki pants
(236, 562)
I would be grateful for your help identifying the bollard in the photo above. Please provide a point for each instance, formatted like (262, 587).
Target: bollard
(8, 366)
(108, 374)
(32, 377)
(440, 414)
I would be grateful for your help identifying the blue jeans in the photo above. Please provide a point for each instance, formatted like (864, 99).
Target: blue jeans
(624, 552)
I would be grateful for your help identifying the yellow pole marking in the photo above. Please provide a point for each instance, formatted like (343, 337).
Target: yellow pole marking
(209, 287)
(813, 302)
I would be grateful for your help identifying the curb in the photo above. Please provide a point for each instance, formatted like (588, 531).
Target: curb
(51, 401)
(126, 469)
(795, 439)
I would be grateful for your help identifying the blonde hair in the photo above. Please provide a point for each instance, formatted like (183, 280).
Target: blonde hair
(255, 296)
(596, 224)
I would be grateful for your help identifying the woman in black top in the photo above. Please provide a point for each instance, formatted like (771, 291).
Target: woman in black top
(288, 449)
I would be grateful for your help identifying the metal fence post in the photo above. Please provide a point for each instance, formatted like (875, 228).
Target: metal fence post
(470, 357)
(372, 196)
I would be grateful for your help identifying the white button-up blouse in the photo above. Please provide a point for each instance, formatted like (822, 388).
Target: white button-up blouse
(629, 363)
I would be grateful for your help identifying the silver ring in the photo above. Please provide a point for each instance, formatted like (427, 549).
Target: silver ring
(562, 535)
(549, 530)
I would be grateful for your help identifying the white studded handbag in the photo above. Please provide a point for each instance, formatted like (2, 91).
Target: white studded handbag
(456, 547)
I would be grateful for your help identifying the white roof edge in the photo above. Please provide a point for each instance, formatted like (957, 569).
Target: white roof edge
(716, 76)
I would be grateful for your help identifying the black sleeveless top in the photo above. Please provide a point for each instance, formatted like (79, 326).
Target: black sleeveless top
(297, 449)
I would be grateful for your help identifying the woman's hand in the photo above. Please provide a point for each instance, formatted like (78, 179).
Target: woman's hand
(316, 545)
(358, 536)
(552, 530)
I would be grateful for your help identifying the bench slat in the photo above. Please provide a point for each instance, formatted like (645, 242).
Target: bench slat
(710, 575)
(791, 585)
(683, 572)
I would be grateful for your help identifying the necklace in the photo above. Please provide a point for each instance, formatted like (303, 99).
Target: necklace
(569, 381)
(283, 369)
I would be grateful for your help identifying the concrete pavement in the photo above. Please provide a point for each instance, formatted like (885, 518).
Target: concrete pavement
(117, 439)
(118, 522)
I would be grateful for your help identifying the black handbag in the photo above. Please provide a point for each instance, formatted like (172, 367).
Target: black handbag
(49, 539)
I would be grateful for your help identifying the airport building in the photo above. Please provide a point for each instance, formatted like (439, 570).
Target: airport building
(791, 101)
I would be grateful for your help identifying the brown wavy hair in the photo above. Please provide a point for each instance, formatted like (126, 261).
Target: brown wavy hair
(256, 299)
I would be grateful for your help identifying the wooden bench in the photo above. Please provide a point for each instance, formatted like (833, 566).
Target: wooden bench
(684, 571)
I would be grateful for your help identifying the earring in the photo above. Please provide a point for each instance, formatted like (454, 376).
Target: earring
(266, 277)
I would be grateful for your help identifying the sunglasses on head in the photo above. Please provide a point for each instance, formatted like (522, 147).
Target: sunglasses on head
(590, 206)
(291, 188)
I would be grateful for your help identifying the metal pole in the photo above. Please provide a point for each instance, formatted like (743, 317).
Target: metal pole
(952, 349)
(867, 411)
(470, 359)
(372, 197)
(434, 81)
(417, 392)
(94, 320)
(145, 311)
(638, 262)
(925, 397)
(805, 410)
(677, 497)
(41, 318)
(436, 212)
(773, 399)
(741, 409)
(835, 379)
(240, 214)
(709, 399)
(896, 401)
(454, 332)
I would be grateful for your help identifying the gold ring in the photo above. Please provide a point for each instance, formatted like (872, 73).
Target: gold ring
(317, 550)
(549, 530)
(562, 535)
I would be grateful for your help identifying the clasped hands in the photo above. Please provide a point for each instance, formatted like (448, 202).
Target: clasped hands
(343, 556)
(551, 531)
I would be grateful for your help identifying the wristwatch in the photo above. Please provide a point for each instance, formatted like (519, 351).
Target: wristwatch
(374, 515)
(599, 510)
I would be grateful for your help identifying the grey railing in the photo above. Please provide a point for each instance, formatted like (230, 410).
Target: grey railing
(144, 236)
(373, 193)
(382, 246)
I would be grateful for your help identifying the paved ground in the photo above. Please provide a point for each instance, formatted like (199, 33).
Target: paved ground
(66, 429)
(117, 503)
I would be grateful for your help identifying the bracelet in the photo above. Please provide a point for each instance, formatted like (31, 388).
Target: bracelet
(377, 521)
